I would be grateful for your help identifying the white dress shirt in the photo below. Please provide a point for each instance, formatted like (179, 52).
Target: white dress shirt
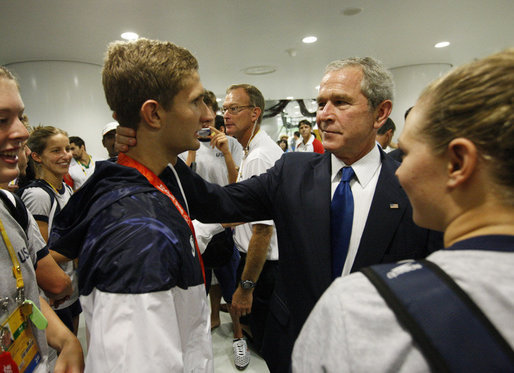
(363, 185)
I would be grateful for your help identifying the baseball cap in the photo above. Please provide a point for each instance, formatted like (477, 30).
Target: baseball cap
(109, 127)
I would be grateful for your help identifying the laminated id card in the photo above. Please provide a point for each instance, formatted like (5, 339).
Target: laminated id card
(16, 337)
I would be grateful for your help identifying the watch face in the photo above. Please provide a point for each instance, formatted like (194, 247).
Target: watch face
(247, 284)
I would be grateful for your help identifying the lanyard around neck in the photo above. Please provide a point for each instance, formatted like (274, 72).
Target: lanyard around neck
(16, 269)
(153, 179)
(245, 155)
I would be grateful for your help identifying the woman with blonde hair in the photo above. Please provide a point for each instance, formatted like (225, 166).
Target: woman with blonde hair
(20, 250)
(458, 172)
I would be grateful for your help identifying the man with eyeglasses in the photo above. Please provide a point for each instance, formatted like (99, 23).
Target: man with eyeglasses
(256, 241)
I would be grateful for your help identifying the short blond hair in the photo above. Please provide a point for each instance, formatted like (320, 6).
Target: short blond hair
(6, 74)
(144, 69)
(476, 101)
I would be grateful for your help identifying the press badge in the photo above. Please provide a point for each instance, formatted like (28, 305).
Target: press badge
(17, 339)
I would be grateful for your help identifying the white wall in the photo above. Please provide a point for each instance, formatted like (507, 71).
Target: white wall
(409, 83)
(67, 95)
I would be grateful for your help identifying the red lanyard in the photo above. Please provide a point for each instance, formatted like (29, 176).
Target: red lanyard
(125, 160)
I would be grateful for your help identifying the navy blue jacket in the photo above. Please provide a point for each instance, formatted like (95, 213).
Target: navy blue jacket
(128, 236)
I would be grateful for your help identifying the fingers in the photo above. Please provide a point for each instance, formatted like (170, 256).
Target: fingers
(214, 130)
(219, 140)
(125, 137)
(241, 311)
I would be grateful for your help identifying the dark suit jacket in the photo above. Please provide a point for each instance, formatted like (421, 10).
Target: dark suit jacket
(396, 154)
(296, 193)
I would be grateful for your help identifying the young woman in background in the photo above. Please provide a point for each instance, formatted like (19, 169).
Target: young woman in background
(47, 195)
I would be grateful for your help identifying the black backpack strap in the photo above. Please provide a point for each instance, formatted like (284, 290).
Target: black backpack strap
(449, 328)
(16, 209)
(40, 183)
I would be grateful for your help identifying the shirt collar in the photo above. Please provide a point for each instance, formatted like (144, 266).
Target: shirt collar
(495, 242)
(254, 142)
(364, 168)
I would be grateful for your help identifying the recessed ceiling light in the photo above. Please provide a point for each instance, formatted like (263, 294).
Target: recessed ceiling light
(129, 36)
(289, 97)
(309, 39)
(351, 11)
(218, 99)
(442, 44)
(259, 70)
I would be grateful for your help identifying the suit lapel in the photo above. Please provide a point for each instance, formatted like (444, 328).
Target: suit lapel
(386, 211)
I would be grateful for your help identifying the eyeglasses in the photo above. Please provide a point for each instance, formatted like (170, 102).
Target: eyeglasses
(234, 109)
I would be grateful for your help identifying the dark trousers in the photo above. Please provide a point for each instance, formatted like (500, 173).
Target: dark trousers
(226, 276)
(261, 298)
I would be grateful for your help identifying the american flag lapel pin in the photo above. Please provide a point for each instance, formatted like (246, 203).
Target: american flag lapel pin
(394, 206)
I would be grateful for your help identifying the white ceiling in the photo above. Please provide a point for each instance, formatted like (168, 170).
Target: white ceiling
(227, 36)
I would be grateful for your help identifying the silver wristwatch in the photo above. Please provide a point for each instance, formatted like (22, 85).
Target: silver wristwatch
(247, 284)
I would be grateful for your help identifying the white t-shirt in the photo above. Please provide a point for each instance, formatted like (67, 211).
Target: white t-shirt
(263, 152)
(26, 246)
(364, 334)
(39, 204)
(210, 162)
(80, 173)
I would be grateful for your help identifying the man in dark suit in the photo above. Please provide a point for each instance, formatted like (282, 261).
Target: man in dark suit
(354, 100)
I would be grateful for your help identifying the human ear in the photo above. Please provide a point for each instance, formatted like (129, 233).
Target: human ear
(151, 112)
(256, 112)
(389, 134)
(36, 157)
(382, 112)
(462, 161)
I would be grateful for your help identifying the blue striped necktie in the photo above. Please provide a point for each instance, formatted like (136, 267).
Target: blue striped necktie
(341, 221)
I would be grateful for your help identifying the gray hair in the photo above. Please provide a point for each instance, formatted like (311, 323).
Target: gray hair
(377, 82)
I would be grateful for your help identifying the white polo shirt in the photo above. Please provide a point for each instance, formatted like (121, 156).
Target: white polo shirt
(263, 152)
(80, 173)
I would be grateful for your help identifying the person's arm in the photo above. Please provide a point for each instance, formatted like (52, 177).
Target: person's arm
(246, 201)
(58, 336)
(58, 257)
(191, 157)
(52, 279)
(255, 259)
(205, 232)
(231, 167)
(220, 141)
(43, 229)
